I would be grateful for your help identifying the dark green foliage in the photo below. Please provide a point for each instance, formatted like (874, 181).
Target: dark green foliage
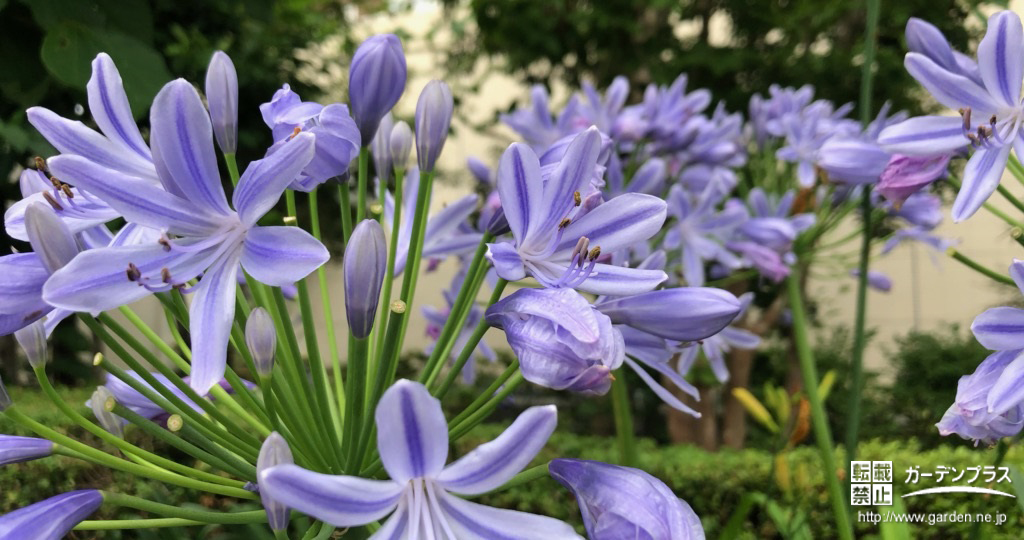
(781, 42)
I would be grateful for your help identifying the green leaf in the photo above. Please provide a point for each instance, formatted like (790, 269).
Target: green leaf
(895, 530)
(69, 48)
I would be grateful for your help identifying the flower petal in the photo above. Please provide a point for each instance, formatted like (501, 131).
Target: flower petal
(472, 521)
(182, 139)
(74, 138)
(443, 223)
(84, 215)
(571, 174)
(1008, 390)
(108, 104)
(999, 57)
(138, 201)
(520, 188)
(412, 434)
(924, 135)
(1000, 328)
(210, 317)
(342, 501)
(667, 396)
(618, 223)
(95, 280)
(22, 276)
(492, 464)
(265, 180)
(981, 177)
(49, 237)
(1017, 273)
(281, 255)
(506, 261)
(621, 281)
(949, 89)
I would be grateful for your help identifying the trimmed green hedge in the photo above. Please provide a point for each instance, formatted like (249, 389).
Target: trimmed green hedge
(713, 483)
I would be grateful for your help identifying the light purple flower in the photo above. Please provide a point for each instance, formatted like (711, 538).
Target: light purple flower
(905, 175)
(535, 124)
(989, 403)
(561, 341)
(337, 139)
(924, 38)
(222, 98)
(551, 242)
(769, 262)
(52, 518)
(14, 449)
(623, 502)
(877, 280)
(23, 275)
(376, 79)
(412, 437)
(380, 149)
(700, 230)
(923, 210)
(120, 147)
(209, 237)
(992, 112)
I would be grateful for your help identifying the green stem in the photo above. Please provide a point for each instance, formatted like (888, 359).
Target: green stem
(974, 265)
(151, 523)
(479, 415)
(859, 335)
(382, 379)
(355, 397)
(102, 458)
(470, 346)
(364, 172)
(229, 160)
(625, 437)
(1009, 197)
(325, 304)
(389, 273)
(346, 210)
(203, 516)
(821, 431)
(415, 253)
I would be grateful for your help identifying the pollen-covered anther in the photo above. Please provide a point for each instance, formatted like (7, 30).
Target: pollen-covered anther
(295, 132)
(595, 253)
(965, 113)
(53, 202)
(41, 165)
(576, 198)
(165, 242)
(133, 272)
(66, 190)
(564, 223)
(165, 275)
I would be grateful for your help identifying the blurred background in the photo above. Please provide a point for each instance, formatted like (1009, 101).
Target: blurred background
(491, 52)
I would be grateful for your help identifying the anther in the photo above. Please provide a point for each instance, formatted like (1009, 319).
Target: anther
(595, 253)
(295, 132)
(966, 114)
(66, 189)
(133, 272)
(163, 241)
(576, 199)
(55, 181)
(165, 275)
(41, 165)
(53, 202)
(992, 121)
(565, 223)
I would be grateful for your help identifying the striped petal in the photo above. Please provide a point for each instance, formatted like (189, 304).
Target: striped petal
(621, 281)
(621, 222)
(281, 255)
(1000, 328)
(412, 434)
(520, 188)
(472, 521)
(210, 317)
(265, 180)
(74, 138)
(999, 57)
(924, 135)
(342, 501)
(949, 89)
(492, 464)
(22, 276)
(981, 177)
(571, 174)
(109, 107)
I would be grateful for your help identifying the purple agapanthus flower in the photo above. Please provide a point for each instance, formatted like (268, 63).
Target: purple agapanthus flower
(904, 175)
(446, 232)
(551, 242)
(50, 519)
(420, 496)
(767, 114)
(924, 38)
(992, 112)
(535, 123)
(561, 341)
(716, 346)
(623, 502)
(1002, 328)
(700, 231)
(337, 137)
(876, 280)
(209, 237)
(988, 404)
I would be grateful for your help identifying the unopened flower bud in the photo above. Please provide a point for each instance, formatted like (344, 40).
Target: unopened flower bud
(365, 264)
(14, 449)
(376, 79)
(380, 147)
(433, 118)
(32, 339)
(102, 404)
(261, 338)
(222, 99)
(49, 236)
(401, 144)
(498, 224)
(274, 452)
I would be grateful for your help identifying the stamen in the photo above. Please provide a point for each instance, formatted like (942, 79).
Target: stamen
(163, 241)
(41, 166)
(53, 202)
(165, 275)
(576, 199)
(564, 223)
(595, 253)
(67, 191)
(133, 272)
(295, 132)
